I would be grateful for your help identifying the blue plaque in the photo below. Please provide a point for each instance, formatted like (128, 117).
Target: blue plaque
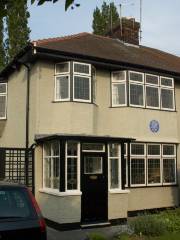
(154, 126)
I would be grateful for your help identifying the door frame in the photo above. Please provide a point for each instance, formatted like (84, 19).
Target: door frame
(105, 172)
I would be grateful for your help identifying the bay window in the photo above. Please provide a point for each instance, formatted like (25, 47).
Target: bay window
(73, 82)
(144, 90)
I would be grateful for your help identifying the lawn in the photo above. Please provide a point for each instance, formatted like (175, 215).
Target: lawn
(168, 236)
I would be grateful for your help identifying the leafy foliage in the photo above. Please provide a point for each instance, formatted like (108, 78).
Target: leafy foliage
(105, 18)
(68, 3)
(2, 50)
(96, 236)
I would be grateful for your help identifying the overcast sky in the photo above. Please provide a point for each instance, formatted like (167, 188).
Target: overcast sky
(160, 25)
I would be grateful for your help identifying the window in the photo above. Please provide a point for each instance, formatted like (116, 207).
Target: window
(152, 164)
(169, 164)
(119, 88)
(73, 82)
(82, 82)
(152, 91)
(145, 90)
(114, 154)
(62, 81)
(136, 89)
(51, 165)
(126, 163)
(3, 100)
(92, 165)
(138, 164)
(93, 147)
(72, 166)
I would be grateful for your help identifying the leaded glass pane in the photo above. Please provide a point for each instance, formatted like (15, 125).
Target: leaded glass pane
(118, 94)
(3, 87)
(137, 171)
(71, 173)
(2, 106)
(62, 67)
(114, 168)
(152, 79)
(114, 150)
(81, 88)
(92, 165)
(119, 76)
(137, 77)
(137, 149)
(168, 150)
(169, 169)
(47, 172)
(136, 94)
(72, 149)
(154, 171)
(55, 177)
(166, 81)
(167, 96)
(62, 87)
(81, 68)
(153, 149)
(152, 96)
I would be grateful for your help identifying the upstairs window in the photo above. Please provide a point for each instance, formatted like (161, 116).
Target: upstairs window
(73, 82)
(144, 90)
(3, 100)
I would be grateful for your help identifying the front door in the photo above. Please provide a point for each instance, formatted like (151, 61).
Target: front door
(94, 187)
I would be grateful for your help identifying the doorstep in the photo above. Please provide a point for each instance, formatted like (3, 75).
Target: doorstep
(95, 224)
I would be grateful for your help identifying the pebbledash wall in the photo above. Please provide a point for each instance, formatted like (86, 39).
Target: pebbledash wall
(101, 119)
(47, 116)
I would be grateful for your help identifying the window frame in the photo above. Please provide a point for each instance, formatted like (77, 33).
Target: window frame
(55, 92)
(51, 189)
(153, 86)
(6, 98)
(119, 82)
(84, 74)
(168, 88)
(136, 83)
(78, 167)
(63, 73)
(119, 168)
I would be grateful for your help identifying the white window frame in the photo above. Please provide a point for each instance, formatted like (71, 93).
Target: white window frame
(154, 86)
(55, 90)
(136, 83)
(6, 97)
(126, 157)
(119, 169)
(119, 82)
(63, 73)
(79, 99)
(168, 88)
(53, 190)
(78, 167)
(134, 156)
(103, 150)
(160, 161)
(81, 63)
(173, 157)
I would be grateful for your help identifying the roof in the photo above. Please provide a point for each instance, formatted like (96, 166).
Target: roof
(83, 137)
(101, 49)
(106, 48)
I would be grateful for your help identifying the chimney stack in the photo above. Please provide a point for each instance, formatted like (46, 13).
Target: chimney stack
(129, 32)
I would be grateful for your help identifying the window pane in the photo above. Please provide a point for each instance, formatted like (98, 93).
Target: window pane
(154, 149)
(152, 96)
(119, 76)
(81, 88)
(114, 150)
(169, 150)
(136, 94)
(166, 81)
(152, 79)
(72, 149)
(169, 170)
(3, 88)
(2, 106)
(55, 148)
(81, 68)
(98, 147)
(118, 94)
(47, 149)
(167, 96)
(62, 67)
(62, 87)
(71, 173)
(137, 171)
(137, 149)
(114, 168)
(154, 171)
(92, 165)
(138, 77)
(47, 173)
(55, 173)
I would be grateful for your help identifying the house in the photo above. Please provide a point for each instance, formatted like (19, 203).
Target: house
(99, 118)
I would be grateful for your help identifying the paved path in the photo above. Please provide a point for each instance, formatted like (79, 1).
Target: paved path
(82, 234)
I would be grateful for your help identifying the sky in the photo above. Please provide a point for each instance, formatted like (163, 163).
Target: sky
(160, 20)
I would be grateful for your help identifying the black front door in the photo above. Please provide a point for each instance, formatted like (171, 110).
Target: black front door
(94, 187)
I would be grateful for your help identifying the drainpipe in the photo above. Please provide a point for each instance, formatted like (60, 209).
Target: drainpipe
(27, 123)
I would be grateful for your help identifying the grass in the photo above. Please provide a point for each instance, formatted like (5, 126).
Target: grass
(167, 236)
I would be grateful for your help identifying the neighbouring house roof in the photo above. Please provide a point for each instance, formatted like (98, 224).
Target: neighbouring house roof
(105, 49)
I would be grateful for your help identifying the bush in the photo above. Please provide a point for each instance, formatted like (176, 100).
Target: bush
(96, 236)
(172, 220)
(149, 225)
(122, 236)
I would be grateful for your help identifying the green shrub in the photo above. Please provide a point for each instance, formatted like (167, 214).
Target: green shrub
(96, 236)
(149, 225)
(122, 236)
(172, 219)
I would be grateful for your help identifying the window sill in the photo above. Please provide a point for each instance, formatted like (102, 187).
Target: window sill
(119, 191)
(60, 194)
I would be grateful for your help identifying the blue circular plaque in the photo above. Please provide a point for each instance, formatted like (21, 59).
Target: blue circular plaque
(154, 126)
